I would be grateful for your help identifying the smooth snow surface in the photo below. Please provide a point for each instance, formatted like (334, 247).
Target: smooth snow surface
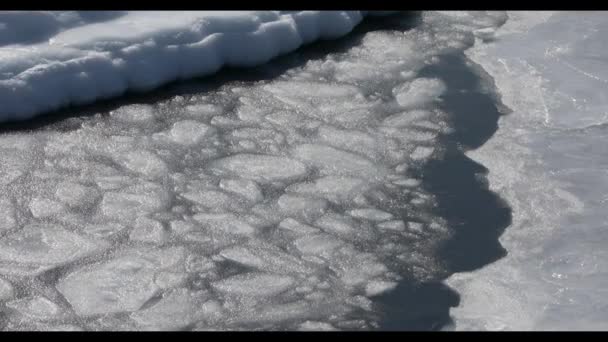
(49, 60)
(288, 202)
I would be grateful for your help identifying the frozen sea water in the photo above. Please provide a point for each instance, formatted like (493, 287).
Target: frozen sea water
(304, 194)
(547, 160)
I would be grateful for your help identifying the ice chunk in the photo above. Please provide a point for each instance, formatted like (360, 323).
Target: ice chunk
(176, 310)
(371, 214)
(419, 92)
(6, 290)
(146, 163)
(392, 225)
(267, 258)
(297, 227)
(260, 167)
(316, 326)
(44, 207)
(134, 201)
(148, 230)
(121, 284)
(203, 110)
(38, 247)
(332, 161)
(228, 223)
(415, 226)
(136, 113)
(405, 118)
(375, 288)
(337, 189)
(76, 195)
(189, 132)
(208, 198)
(103, 230)
(356, 268)
(318, 244)
(254, 284)
(350, 140)
(336, 224)
(39, 308)
(7, 214)
(408, 182)
(422, 152)
(308, 208)
(244, 187)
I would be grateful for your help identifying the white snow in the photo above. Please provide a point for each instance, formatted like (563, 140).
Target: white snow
(547, 161)
(50, 60)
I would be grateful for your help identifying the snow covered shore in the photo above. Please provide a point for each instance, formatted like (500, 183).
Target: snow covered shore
(50, 60)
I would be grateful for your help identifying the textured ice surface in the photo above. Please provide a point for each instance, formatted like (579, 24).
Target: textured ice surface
(287, 202)
(547, 160)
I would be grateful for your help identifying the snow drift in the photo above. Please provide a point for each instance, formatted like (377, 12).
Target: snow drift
(49, 60)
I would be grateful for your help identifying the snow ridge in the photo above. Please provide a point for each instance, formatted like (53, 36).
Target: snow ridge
(91, 56)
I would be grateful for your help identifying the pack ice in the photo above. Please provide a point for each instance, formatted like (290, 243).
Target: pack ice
(282, 203)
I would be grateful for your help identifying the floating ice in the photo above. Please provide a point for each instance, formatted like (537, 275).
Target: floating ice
(252, 284)
(120, 285)
(262, 168)
(44, 207)
(147, 230)
(246, 188)
(176, 310)
(319, 244)
(189, 132)
(39, 308)
(300, 206)
(76, 195)
(334, 188)
(227, 223)
(371, 214)
(267, 204)
(332, 161)
(419, 93)
(6, 290)
(7, 215)
(37, 247)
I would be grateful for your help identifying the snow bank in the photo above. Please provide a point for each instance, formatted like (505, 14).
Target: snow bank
(49, 60)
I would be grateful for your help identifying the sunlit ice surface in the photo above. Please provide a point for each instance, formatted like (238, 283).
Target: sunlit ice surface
(295, 196)
(547, 160)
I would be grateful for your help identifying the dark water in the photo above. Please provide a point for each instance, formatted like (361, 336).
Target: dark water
(475, 215)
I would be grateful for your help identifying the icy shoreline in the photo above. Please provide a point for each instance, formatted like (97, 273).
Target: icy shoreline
(549, 69)
(52, 60)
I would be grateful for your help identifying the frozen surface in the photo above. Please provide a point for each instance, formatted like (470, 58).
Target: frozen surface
(288, 202)
(49, 60)
(548, 161)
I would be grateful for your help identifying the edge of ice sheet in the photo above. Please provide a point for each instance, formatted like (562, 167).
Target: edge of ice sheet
(140, 51)
(547, 281)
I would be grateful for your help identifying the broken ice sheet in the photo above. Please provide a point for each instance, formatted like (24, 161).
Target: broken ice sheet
(276, 204)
